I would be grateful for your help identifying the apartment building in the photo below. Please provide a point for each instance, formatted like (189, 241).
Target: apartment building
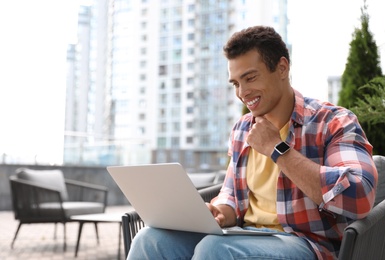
(156, 85)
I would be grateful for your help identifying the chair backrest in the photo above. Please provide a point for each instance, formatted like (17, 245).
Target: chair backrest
(49, 178)
(364, 238)
(380, 165)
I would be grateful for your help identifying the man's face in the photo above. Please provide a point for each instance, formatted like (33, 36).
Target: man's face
(258, 88)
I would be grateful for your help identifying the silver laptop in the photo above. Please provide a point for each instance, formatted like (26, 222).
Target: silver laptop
(164, 197)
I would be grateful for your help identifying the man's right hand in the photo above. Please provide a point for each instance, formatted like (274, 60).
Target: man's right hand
(223, 214)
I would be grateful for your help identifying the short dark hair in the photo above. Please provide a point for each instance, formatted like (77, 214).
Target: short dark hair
(263, 39)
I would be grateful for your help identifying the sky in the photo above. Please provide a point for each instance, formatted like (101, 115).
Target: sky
(321, 32)
(34, 36)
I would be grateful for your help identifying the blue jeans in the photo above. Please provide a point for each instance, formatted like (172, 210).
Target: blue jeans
(153, 243)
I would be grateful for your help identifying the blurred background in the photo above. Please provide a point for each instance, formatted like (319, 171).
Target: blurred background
(107, 82)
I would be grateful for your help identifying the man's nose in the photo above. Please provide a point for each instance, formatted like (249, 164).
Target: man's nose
(243, 91)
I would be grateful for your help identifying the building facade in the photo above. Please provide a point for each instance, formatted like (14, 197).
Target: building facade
(157, 88)
(334, 88)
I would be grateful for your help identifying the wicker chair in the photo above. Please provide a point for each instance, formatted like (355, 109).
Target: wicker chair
(44, 196)
(363, 239)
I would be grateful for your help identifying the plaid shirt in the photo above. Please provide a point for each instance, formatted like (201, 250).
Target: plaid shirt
(330, 136)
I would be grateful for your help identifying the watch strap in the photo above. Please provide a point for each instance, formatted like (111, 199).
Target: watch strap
(280, 149)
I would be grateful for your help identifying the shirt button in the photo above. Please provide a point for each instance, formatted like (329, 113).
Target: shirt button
(337, 188)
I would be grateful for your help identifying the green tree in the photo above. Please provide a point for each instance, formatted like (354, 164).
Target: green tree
(245, 110)
(363, 63)
(370, 111)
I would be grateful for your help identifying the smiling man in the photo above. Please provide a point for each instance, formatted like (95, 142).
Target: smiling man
(298, 166)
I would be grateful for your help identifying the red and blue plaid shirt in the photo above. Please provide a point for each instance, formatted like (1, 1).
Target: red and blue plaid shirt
(330, 136)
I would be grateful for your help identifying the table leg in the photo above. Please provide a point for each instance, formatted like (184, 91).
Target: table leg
(79, 235)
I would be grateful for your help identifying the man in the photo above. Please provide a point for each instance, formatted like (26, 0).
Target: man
(298, 165)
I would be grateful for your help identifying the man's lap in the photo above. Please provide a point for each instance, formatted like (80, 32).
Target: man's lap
(155, 243)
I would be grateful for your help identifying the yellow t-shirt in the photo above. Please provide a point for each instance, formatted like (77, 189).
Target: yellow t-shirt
(262, 174)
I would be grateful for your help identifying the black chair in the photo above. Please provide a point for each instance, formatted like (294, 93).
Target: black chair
(363, 239)
(44, 196)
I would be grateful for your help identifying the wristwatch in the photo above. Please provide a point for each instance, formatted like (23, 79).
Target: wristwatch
(279, 149)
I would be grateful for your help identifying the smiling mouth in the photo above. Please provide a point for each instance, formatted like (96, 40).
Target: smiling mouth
(252, 102)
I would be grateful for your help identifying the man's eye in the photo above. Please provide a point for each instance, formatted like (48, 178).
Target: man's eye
(235, 85)
(251, 78)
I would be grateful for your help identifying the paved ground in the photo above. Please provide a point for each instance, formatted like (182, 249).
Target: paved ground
(36, 241)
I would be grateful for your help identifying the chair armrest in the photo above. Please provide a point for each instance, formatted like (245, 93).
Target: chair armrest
(364, 238)
(28, 196)
(210, 192)
(83, 191)
(131, 224)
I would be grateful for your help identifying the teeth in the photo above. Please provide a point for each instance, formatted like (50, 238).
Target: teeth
(252, 102)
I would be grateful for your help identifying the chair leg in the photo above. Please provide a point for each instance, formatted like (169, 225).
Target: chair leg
(55, 232)
(65, 237)
(97, 233)
(17, 231)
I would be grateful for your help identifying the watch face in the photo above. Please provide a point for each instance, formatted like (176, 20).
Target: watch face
(282, 147)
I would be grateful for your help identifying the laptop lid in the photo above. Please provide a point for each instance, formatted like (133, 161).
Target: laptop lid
(165, 197)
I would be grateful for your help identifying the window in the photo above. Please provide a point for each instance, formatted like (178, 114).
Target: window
(177, 12)
(189, 110)
(177, 68)
(177, 25)
(161, 144)
(163, 55)
(175, 142)
(163, 98)
(190, 65)
(190, 95)
(142, 103)
(162, 113)
(190, 81)
(162, 127)
(174, 154)
(164, 27)
(162, 70)
(176, 126)
(177, 98)
(164, 13)
(191, 8)
(163, 41)
(190, 36)
(176, 83)
(177, 54)
(177, 41)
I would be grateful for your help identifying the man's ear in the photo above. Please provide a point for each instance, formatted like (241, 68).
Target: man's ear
(283, 67)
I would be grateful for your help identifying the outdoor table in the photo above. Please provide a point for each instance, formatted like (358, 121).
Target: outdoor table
(97, 218)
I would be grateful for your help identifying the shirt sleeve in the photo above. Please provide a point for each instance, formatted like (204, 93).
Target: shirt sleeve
(226, 195)
(349, 175)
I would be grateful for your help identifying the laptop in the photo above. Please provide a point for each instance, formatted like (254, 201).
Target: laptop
(164, 197)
